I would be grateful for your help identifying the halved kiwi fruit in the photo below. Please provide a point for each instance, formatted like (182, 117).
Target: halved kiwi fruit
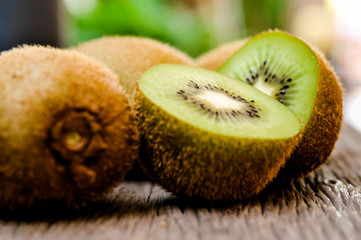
(298, 76)
(210, 136)
(130, 56)
(67, 133)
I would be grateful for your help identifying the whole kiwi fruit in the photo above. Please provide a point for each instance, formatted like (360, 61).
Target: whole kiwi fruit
(300, 77)
(214, 58)
(209, 136)
(130, 56)
(67, 132)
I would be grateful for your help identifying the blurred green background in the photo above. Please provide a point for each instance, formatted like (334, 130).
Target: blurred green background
(193, 26)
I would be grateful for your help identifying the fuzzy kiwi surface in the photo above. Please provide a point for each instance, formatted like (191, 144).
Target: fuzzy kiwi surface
(209, 136)
(300, 77)
(67, 133)
(213, 59)
(130, 56)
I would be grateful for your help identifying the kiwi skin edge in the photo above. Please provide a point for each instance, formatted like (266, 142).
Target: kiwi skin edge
(182, 158)
(320, 132)
(47, 95)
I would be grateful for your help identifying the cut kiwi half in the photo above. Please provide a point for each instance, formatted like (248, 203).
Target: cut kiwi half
(209, 136)
(298, 76)
(67, 133)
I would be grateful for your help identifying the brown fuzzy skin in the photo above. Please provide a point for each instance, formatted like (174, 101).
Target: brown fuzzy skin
(44, 93)
(322, 129)
(194, 163)
(213, 59)
(129, 56)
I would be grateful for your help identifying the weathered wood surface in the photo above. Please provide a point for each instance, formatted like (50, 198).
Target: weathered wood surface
(325, 205)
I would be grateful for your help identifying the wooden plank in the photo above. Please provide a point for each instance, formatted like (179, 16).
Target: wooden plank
(325, 205)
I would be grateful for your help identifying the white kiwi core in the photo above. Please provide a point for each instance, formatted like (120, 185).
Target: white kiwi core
(268, 89)
(220, 101)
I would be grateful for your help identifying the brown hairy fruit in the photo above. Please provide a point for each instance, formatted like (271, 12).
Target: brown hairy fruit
(300, 77)
(67, 133)
(130, 56)
(213, 59)
(209, 136)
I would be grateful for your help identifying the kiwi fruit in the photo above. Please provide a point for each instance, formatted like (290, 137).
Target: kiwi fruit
(300, 77)
(67, 132)
(130, 56)
(213, 59)
(209, 136)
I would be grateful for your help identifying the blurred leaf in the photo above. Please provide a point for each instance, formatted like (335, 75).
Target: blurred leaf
(181, 28)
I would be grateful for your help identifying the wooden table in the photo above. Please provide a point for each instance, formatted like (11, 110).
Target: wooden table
(325, 205)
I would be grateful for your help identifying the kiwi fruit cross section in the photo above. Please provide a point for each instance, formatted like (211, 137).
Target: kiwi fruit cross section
(210, 136)
(298, 76)
(279, 65)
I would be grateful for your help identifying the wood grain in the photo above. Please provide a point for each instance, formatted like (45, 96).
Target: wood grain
(325, 205)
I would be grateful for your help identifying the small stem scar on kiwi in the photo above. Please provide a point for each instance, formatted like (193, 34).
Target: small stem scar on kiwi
(75, 138)
(77, 133)
(218, 101)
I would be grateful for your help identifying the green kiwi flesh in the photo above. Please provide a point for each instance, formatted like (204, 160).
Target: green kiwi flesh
(281, 66)
(289, 70)
(210, 136)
